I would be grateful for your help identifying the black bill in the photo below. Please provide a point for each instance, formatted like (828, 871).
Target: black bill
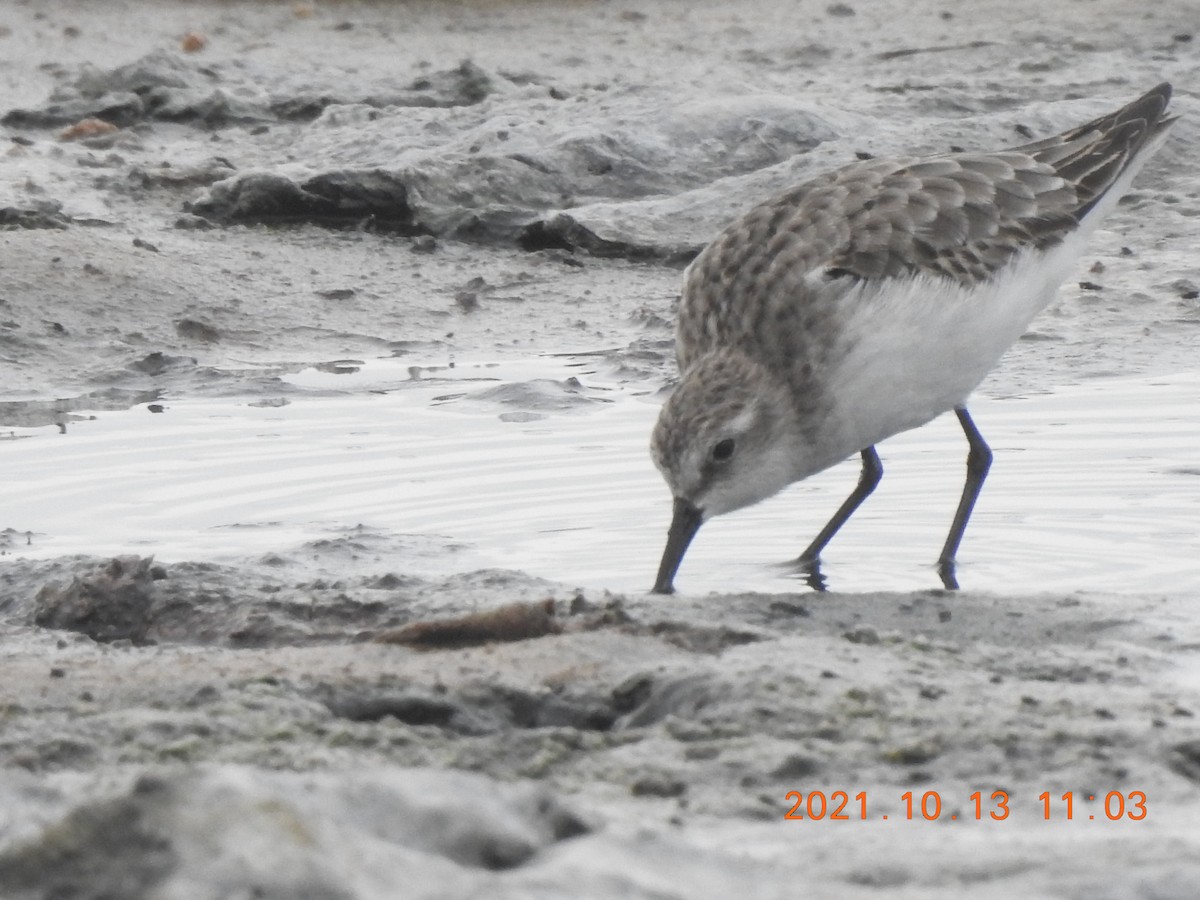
(685, 522)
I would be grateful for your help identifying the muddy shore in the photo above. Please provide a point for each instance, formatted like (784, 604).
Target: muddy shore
(300, 189)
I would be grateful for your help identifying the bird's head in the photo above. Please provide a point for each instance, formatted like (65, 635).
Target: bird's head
(726, 438)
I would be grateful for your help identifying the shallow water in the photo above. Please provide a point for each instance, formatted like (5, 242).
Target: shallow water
(1095, 487)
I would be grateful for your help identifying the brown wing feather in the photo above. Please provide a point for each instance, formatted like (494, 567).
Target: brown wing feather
(989, 207)
(961, 216)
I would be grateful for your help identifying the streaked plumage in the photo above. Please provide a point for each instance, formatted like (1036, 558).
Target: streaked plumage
(870, 300)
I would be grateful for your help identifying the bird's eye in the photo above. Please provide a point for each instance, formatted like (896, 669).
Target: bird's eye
(722, 451)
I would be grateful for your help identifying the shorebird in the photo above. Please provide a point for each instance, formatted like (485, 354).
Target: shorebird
(869, 301)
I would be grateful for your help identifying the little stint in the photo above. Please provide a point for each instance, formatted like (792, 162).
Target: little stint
(869, 301)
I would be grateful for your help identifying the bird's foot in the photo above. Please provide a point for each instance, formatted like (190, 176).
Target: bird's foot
(947, 572)
(810, 571)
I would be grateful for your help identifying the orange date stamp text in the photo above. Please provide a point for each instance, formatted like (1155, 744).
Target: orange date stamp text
(929, 806)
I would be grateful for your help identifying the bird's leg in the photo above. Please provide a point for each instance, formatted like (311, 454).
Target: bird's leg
(872, 471)
(979, 460)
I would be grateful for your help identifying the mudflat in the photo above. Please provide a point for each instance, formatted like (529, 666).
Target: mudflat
(331, 335)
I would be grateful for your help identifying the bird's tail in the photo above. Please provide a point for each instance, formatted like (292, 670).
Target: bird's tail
(1107, 152)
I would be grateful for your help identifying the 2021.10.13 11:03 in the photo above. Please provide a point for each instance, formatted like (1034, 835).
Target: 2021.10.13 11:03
(841, 806)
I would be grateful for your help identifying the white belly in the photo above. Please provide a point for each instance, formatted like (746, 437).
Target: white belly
(911, 353)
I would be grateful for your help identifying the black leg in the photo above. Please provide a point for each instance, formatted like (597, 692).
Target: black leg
(872, 471)
(979, 460)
